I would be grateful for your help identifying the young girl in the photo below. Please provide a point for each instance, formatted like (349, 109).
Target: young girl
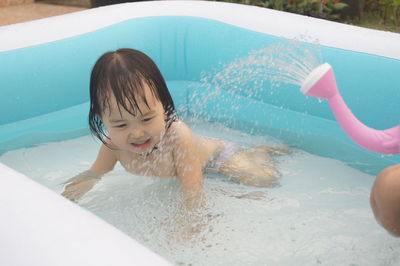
(132, 113)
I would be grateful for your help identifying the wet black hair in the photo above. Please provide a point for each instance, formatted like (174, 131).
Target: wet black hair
(124, 73)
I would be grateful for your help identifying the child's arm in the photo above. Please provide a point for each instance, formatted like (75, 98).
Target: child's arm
(78, 185)
(188, 168)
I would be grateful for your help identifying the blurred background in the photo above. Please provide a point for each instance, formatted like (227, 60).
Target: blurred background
(376, 14)
(16, 11)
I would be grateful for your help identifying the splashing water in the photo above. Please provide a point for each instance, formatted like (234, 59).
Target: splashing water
(255, 75)
(287, 62)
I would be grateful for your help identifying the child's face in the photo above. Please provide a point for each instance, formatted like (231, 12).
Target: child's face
(140, 133)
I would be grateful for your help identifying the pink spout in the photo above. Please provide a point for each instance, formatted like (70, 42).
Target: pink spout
(321, 83)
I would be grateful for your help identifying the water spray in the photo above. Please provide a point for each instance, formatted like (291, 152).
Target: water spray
(321, 83)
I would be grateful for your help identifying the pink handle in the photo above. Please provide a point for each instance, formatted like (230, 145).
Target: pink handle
(380, 141)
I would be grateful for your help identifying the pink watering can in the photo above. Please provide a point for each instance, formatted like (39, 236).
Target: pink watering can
(321, 83)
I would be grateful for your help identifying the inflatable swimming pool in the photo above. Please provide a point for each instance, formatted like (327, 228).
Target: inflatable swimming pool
(44, 73)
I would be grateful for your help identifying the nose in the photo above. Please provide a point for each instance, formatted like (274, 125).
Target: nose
(136, 133)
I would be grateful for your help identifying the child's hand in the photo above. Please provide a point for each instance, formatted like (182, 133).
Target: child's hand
(77, 186)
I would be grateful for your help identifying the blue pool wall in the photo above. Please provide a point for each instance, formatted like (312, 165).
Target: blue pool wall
(41, 82)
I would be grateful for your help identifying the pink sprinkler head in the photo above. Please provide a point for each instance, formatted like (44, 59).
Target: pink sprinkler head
(320, 82)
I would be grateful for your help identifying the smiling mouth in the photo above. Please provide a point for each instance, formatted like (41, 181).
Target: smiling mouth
(141, 144)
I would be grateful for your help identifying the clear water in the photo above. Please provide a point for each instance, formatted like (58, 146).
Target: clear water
(319, 215)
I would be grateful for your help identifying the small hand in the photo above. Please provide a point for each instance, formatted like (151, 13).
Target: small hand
(79, 185)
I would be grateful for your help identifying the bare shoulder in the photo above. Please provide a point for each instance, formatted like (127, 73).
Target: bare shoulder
(389, 177)
(180, 132)
(392, 170)
(182, 140)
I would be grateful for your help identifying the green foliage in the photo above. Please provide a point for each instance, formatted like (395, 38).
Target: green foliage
(387, 10)
(371, 5)
(328, 9)
(390, 11)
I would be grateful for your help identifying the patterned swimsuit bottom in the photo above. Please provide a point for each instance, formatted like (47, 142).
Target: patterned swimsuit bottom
(219, 159)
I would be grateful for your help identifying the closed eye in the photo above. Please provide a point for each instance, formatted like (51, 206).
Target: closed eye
(147, 119)
(120, 126)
